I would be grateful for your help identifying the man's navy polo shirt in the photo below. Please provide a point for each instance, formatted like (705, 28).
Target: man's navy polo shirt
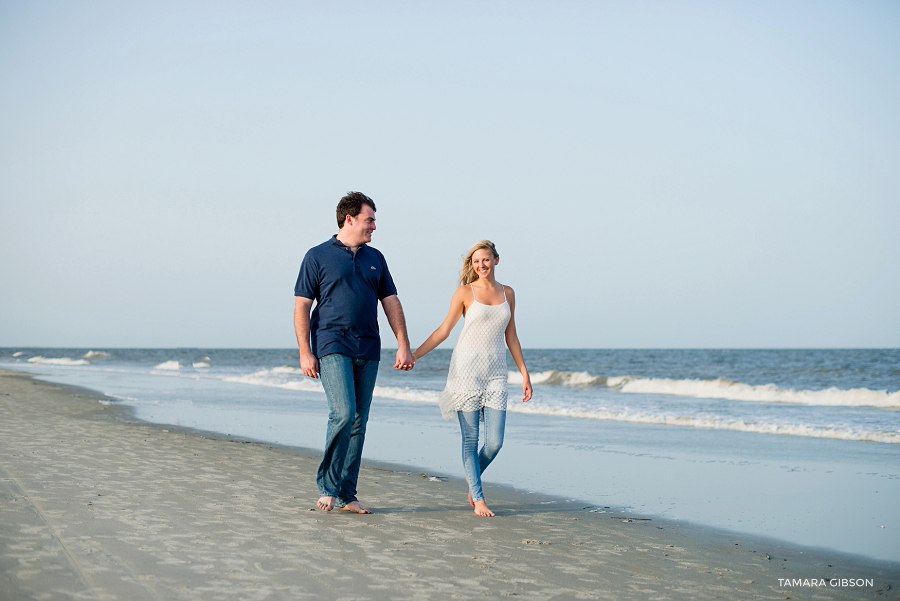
(346, 287)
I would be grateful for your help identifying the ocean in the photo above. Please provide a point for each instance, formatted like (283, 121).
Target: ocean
(792, 444)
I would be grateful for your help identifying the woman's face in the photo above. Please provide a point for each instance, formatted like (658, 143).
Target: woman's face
(483, 262)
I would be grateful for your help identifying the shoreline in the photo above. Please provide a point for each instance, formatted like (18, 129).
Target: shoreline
(585, 554)
(815, 493)
(502, 480)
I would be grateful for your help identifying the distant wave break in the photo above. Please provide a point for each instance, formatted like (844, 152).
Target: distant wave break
(285, 377)
(59, 361)
(718, 389)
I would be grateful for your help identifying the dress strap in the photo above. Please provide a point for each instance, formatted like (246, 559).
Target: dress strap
(473, 292)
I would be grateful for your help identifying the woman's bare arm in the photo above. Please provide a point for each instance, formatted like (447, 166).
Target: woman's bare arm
(457, 307)
(515, 349)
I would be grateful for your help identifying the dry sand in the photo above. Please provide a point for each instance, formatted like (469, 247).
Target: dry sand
(96, 505)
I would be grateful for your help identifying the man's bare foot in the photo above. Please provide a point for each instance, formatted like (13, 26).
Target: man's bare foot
(481, 509)
(355, 507)
(325, 503)
(471, 502)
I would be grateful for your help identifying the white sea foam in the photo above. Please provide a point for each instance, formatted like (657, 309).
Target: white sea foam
(18, 354)
(769, 393)
(202, 363)
(134, 401)
(286, 377)
(95, 355)
(285, 369)
(59, 360)
(169, 365)
(292, 378)
(710, 423)
(718, 389)
(278, 377)
(430, 396)
(408, 394)
(573, 379)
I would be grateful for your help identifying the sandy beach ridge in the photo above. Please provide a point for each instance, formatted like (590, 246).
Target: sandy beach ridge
(97, 505)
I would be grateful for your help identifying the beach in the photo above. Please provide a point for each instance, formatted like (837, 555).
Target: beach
(99, 505)
(754, 442)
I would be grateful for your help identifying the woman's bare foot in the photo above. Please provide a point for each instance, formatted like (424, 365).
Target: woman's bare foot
(481, 509)
(471, 502)
(355, 507)
(325, 503)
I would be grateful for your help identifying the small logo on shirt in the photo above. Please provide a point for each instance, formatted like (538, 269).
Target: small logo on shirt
(371, 267)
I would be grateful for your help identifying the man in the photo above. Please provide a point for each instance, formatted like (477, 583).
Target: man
(340, 342)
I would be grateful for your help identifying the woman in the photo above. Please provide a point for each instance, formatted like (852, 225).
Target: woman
(476, 384)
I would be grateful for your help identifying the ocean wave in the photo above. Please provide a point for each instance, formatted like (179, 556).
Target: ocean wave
(169, 365)
(408, 394)
(59, 360)
(95, 355)
(284, 369)
(278, 377)
(292, 378)
(711, 423)
(768, 393)
(717, 389)
(572, 379)
(286, 377)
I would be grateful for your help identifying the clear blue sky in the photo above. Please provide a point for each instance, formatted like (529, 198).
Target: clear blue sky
(655, 174)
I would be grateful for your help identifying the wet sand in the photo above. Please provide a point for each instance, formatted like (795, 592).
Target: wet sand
(97, 505)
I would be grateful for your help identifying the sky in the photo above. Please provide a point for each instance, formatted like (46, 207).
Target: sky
(654, 174)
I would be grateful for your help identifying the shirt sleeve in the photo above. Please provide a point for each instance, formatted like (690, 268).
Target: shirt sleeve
(307, 284)
(386, 286)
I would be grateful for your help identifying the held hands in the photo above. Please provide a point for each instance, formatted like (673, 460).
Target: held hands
(405, 359)
(309, 365)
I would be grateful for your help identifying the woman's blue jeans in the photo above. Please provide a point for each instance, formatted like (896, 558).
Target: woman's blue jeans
(348, 384)
(476, 462)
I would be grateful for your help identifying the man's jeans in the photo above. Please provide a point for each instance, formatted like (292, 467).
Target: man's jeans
(348, 384)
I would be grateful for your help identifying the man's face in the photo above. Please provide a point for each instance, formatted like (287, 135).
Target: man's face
(361, 227)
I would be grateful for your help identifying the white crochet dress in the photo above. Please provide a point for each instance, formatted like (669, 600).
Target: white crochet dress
(477, 376)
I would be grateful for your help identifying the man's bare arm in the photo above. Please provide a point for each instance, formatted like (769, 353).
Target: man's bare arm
(309, 365)
(394, 312)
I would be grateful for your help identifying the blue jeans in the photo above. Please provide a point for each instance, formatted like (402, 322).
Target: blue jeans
(475, 462)
(348, 384)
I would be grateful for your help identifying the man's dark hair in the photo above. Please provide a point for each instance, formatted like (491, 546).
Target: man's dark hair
(351, 204)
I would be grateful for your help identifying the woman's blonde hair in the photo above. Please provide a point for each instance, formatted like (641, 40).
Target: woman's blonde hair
(467, 274)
